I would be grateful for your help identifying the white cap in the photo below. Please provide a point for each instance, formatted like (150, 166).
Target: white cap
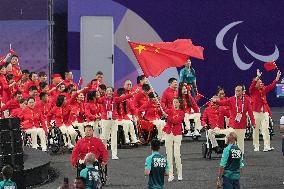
(282, 120)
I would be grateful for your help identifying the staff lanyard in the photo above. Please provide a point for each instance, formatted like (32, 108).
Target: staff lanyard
(107, 104)
(242, 104)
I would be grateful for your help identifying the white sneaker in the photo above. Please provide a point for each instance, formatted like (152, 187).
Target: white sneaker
(180, 178)
(196, 133)
(266, 149)
(256, 149)
(171, 178)
(114, 158)
(127, 141)
(188, 134)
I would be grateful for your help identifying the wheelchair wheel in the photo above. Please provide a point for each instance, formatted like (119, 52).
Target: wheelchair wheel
(271, 128)
(204, 150)
(55, 140)
(120, 137)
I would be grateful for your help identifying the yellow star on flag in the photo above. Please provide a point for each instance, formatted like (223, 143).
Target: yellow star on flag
(157, 50)
(140, 48)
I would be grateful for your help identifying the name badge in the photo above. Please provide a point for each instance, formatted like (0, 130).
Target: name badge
(238, 117)
(109, 114)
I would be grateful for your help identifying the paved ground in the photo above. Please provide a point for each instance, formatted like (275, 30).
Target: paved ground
(262, 170)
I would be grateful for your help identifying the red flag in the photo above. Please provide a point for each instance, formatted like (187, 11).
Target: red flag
(80, 83)
(154, 58)
(269, 66)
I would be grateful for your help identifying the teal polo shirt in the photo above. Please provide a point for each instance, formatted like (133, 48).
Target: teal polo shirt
(8, 184)
(158, 165)
(232, 161)
(187, 76)
(84, 174)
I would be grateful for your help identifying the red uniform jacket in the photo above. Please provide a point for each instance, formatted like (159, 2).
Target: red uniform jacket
(110, 105)
(139, 99)
(87, 145)
(152, 110)
(174, 122)
(92, 110)
(28, 84)
(258, 97)
(66, 83)
(43, 108)
(56, 113)
(167, 98)
(193, 105)
(16, 113)
(10, 105)
(31, 118)
(77, 111)
(231, 103)
(121, 113)
(9, 92)
(3, 85)
(212, 117)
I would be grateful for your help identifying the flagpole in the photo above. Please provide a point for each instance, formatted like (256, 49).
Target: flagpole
(155, 95)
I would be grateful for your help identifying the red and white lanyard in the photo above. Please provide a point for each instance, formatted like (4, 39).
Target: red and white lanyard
(243, 104)
(107, 101)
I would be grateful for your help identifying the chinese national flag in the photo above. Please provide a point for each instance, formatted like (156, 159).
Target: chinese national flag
(269, 66)
(154, 58)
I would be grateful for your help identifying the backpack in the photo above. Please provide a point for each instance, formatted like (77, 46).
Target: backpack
(93, 180)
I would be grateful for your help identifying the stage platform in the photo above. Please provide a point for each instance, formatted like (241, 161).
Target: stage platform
(36, 168)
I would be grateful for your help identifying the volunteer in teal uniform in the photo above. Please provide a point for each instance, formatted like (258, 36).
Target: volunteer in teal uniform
(188, 76)
(156, 167)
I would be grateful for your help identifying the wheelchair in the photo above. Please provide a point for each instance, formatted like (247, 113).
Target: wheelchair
(98, 165)
(146, 131)
(187, 133)
(121, 139)
(55, 140)
(207, 147)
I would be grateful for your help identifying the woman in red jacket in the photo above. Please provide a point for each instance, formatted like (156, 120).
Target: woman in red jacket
(188, 104)
(123, 109)
(93, 112)
(153, 113)
(32, 123)
(57, 113)
(173, 137)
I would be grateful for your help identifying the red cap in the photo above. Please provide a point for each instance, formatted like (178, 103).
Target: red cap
(56, 75)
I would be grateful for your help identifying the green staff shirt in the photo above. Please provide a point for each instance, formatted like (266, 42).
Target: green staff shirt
(8, 184)
(232, 161)
(158, 165)
(187, 75)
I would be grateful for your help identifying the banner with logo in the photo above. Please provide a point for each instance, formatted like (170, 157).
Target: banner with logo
(238, 37)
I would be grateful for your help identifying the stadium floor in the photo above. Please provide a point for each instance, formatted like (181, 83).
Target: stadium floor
(263, 170)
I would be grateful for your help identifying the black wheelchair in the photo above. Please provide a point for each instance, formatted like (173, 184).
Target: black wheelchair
(98, 165)
(55, 141)
(121, 138)
(207, 147)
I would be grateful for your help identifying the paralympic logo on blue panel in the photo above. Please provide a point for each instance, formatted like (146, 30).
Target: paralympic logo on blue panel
(241, 64)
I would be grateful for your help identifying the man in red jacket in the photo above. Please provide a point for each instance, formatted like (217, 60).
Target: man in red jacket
(69, 80)
(261, 110)
(213, 118)
(142, 96)
(169, 94)
(239, 106)
(89, 144)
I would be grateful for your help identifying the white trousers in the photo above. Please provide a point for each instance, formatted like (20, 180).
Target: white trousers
(34, 132)
(262, 123)
(173, 145)
(195, 117)
(128, 127)
(160, 124)
(97, 128)
(70, 132)
(241, 138)
(217, 131)
(109, 128)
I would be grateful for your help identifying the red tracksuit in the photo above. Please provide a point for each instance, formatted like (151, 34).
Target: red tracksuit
(212, 117)
(92, 110)
(31, 118)
(231, 103)
(174, 122)
(87, 145)
(152, 111)
(167, 98)
(193, 105)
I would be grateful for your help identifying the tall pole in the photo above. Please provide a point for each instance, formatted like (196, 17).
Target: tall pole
(50, 38)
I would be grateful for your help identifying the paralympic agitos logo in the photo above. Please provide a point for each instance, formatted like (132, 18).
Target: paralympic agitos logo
(241, 64)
